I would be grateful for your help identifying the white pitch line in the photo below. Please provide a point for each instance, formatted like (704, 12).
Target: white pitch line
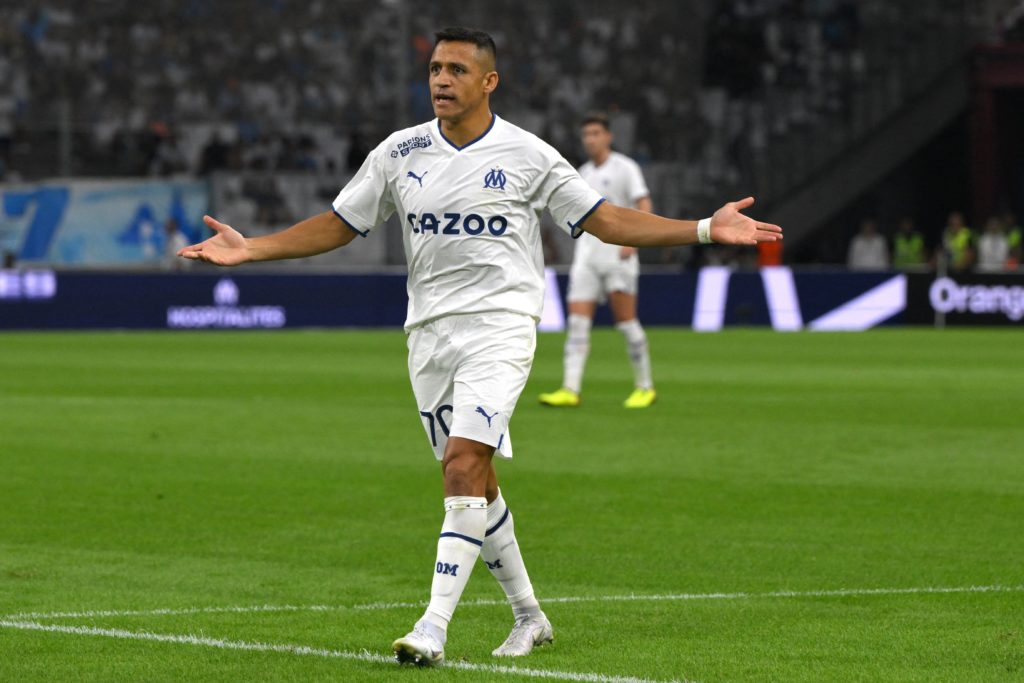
(305, 650)
(632, 597)
(172, 611)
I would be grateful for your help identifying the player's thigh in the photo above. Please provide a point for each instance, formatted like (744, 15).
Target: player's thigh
(622, 283)
(623, 306)
(584, 287)
(491, 376)
(432, 373)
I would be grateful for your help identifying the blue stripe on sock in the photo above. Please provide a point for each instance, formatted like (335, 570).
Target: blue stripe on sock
(452, 534)
(501, 521)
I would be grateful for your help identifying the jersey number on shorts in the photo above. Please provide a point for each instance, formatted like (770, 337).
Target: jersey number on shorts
(437, 417)
(456, 224)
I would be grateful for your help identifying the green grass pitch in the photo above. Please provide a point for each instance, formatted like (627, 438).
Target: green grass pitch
(187, 472)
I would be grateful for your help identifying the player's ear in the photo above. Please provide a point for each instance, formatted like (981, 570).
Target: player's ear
(490, 81)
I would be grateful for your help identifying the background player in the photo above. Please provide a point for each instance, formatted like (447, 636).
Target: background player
(469, 188)
(605, 272)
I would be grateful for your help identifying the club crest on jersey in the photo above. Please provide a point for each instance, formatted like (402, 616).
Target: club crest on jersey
(495, 180)
(406, 147)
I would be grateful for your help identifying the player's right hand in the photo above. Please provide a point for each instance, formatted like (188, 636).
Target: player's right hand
(226, 248)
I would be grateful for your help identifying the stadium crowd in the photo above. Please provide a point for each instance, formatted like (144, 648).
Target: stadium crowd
(166, 86)
(190, 87)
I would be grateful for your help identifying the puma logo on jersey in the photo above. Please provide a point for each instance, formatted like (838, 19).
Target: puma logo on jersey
(483, 412)
(419, 178)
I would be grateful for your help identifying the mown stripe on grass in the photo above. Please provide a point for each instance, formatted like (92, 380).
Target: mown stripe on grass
(631, 597)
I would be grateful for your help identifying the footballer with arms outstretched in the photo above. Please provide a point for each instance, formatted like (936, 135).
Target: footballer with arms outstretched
(470, 188)
(603, 272)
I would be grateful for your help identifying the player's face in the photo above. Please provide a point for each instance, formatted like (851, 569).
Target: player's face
(597, 140)
(461, 78)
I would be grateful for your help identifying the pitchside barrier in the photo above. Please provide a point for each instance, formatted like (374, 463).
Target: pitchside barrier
(706, 300)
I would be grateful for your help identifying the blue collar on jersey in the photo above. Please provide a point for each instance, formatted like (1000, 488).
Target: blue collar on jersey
(494, 117)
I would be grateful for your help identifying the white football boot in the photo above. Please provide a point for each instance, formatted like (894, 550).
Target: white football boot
(528, 633)
(420, 646)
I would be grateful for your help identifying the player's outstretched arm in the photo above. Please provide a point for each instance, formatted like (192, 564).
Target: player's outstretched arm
(312, 236)
(631, 228)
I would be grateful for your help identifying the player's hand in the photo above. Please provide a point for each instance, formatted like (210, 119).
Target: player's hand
(626, 252)
(729, 226)
(226, 248)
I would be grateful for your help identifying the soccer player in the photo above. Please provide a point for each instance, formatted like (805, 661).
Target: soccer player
(605, 272)
(470, 188)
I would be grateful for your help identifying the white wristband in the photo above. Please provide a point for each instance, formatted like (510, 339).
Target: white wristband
(704, 231)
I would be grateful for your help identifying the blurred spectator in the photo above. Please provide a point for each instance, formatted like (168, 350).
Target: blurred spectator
(358, 150)
(868, 250)
(215, 155)
(264, 191)
(957, 243)
(168, 157)
(1014, 237)
(305, 155)
(174, 240)
(993, 247)
(1013, 24)
(908, 246)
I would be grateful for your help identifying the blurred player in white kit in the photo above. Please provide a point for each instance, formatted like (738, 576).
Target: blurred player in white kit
(605, 272)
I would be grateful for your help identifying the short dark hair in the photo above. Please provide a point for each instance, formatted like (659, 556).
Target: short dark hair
(600, 118)
(461, 34)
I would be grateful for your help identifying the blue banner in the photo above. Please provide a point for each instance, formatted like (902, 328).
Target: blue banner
(96, 223)
(40, 299)
(707, 300)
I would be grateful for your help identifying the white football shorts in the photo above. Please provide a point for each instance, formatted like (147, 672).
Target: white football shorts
(593, 281)
(467, 372)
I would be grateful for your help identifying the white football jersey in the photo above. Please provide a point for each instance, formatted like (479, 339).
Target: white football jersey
(621, 182)
(470, 215)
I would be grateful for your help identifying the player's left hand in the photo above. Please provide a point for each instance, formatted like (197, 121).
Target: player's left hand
(626, 252)
(729, 226)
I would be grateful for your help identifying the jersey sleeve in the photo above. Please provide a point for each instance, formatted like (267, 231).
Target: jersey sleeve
(366, 201)
(636, 186)
(568, 197)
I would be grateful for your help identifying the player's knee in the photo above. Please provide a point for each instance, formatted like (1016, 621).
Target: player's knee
(465, 472)
(633, 331)
(578, 328)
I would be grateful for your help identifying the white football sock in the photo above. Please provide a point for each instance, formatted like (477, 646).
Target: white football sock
(636, 343)
(501, 553)
(577, 346)
(462, 534)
